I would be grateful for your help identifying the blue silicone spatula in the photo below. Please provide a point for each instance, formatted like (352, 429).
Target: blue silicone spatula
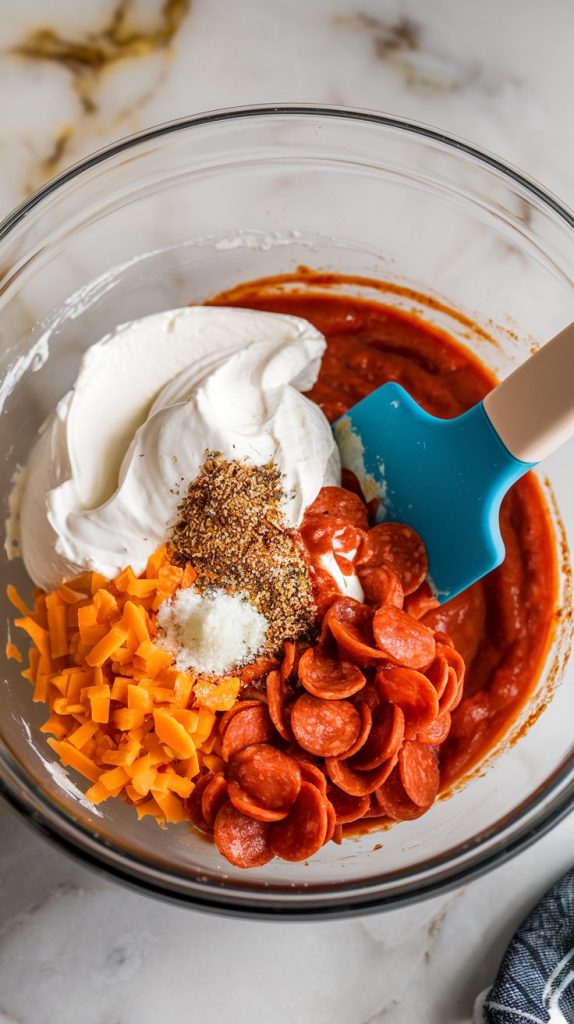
(447, 478)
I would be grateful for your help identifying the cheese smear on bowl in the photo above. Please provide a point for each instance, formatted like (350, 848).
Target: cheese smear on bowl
(113, 462)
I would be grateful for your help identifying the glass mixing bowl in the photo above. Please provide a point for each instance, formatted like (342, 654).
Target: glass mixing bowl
(193, 207)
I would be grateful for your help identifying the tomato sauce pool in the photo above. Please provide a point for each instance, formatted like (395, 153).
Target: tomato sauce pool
(502, 625)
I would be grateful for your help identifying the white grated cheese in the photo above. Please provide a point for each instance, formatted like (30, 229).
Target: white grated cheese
(211, 633)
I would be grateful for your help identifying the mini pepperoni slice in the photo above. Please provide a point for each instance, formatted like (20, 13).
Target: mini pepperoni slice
(394, 802)
(412, 691)
(247, 805)
(357, 783)
(339, 503)
(325, 728)
(251, 725)
(257, 669)
(303, 831)
(421, 602)
(193, 803)
(311, 773)
(268, 775)
(331, 822)
(348, 808)
(418, 768)
(453, 659)
(437, 673)
(463, 619)
(450, 696)
(385, 738)
(366, 716)
(381, 585)
(400, 547)
(276, 704)
(327, 677)
(435, 732)
(213, 796)
(235, 710)
(289, 659)
(338, 834)
(403, 639)
(242, 840)
(351, 624)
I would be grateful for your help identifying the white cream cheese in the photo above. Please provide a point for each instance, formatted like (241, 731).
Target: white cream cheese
(111, 465)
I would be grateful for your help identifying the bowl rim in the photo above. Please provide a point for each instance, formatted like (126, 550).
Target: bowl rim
(347, 899)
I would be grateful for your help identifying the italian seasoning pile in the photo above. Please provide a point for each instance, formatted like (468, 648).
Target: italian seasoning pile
(231, 529)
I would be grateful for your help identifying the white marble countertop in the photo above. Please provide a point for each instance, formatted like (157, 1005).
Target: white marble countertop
(73, 945)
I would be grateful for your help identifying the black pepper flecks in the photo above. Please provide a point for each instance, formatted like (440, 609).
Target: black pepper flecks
(231, 529)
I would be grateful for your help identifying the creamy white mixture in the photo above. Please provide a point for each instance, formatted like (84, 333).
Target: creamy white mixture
(115, 459)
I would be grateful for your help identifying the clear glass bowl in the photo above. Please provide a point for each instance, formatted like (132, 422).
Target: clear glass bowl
(190, 208)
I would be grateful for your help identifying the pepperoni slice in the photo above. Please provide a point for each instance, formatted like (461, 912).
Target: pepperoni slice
(452, 692)
(348, 808)
(403, 639)
(351, 623)
(331, 822)
(244, 803)
(303, 831)
(289, 658)
(437, 672)
(435, 732)
(325, 728)
(366, 717)
(374, 810)
(239, 706)
(443, 638)
(381, 586)
(394, 802)
(310, 773)
(453, 658)
(213, 796)
(276, 705)
(385, 738)
(400, 547)
(327, 677)
(257, 669)
(242, 840)
(339, 503)
(194, 801)
(418, 768)
(463, 618)
(357, 783)
(268, 775)
(421, 602)
(251, 725)
(338, 834)
(412, 691)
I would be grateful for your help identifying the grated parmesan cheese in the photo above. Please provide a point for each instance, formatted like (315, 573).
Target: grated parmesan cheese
(212, 632)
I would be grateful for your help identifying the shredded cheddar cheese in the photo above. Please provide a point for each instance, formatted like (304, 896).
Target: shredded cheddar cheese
(121, 714)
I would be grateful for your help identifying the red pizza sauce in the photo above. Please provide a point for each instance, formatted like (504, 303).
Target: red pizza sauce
(502, 626)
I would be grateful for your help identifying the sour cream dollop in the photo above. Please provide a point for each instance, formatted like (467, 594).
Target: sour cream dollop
(113, 462)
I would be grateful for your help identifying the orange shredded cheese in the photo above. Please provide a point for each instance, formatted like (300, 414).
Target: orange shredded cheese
(13, 652)
(121, 714)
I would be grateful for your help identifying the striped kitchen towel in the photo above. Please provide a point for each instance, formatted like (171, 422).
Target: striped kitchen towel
(535, 981)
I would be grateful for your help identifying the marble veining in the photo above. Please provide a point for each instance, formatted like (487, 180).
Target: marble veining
(75, 946)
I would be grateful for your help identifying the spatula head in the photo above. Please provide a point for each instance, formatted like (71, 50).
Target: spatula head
(445, 478)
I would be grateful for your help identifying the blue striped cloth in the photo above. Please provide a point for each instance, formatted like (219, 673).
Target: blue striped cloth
(535, 980)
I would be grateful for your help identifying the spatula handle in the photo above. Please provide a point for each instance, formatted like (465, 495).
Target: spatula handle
(532, 410)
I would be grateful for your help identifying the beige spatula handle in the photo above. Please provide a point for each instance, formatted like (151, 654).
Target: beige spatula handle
(533, 409)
